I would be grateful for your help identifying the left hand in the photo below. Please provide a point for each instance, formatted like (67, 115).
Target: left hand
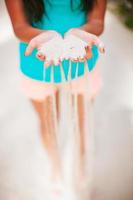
(47, 45)
(88, 38)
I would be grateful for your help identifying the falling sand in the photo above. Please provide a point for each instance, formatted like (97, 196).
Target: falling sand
(72, 135)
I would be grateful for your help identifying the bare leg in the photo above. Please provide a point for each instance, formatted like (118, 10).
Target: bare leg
(58, 105)
(81, 133)
(44, 111)
(81, 118)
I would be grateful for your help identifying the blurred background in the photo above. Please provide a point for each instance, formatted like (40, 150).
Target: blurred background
(21, 155)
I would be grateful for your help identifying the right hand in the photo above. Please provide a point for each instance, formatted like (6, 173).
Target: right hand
(39, 42)
(89, 39)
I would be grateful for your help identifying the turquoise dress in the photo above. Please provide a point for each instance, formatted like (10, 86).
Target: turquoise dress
(59, 16)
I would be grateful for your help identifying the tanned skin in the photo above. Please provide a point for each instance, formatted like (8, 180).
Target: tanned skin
(25, 32)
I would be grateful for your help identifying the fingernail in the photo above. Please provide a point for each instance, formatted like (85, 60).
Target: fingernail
(103, 50)
(26, 53)
(39, 55)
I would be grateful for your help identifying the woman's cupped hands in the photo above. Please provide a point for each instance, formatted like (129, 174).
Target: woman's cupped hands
(52, 48)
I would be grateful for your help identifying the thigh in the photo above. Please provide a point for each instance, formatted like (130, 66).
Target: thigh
(36, 90)
(42, 108)
(88, 85)
(41, 95)
(81, 112)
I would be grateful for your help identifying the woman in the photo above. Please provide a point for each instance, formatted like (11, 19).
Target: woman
(36, 23)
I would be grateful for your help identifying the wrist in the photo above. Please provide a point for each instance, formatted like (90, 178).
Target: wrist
(95, 27)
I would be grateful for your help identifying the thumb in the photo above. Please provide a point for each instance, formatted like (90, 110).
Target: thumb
(99, 44)
(31, 46)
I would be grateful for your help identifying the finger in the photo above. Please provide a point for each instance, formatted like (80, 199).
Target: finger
(78, 60)
(90, 44)
(88, 57)
(47, 64)
(61, 58)
(51, 62)
(74, 59)
(88, 54)
(40, 56)
(31, 46)
(82, 59)
(101, 48)
(99, 44)
(56, 62)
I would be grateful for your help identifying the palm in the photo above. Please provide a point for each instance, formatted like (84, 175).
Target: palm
(89, 38)
(38, 41)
